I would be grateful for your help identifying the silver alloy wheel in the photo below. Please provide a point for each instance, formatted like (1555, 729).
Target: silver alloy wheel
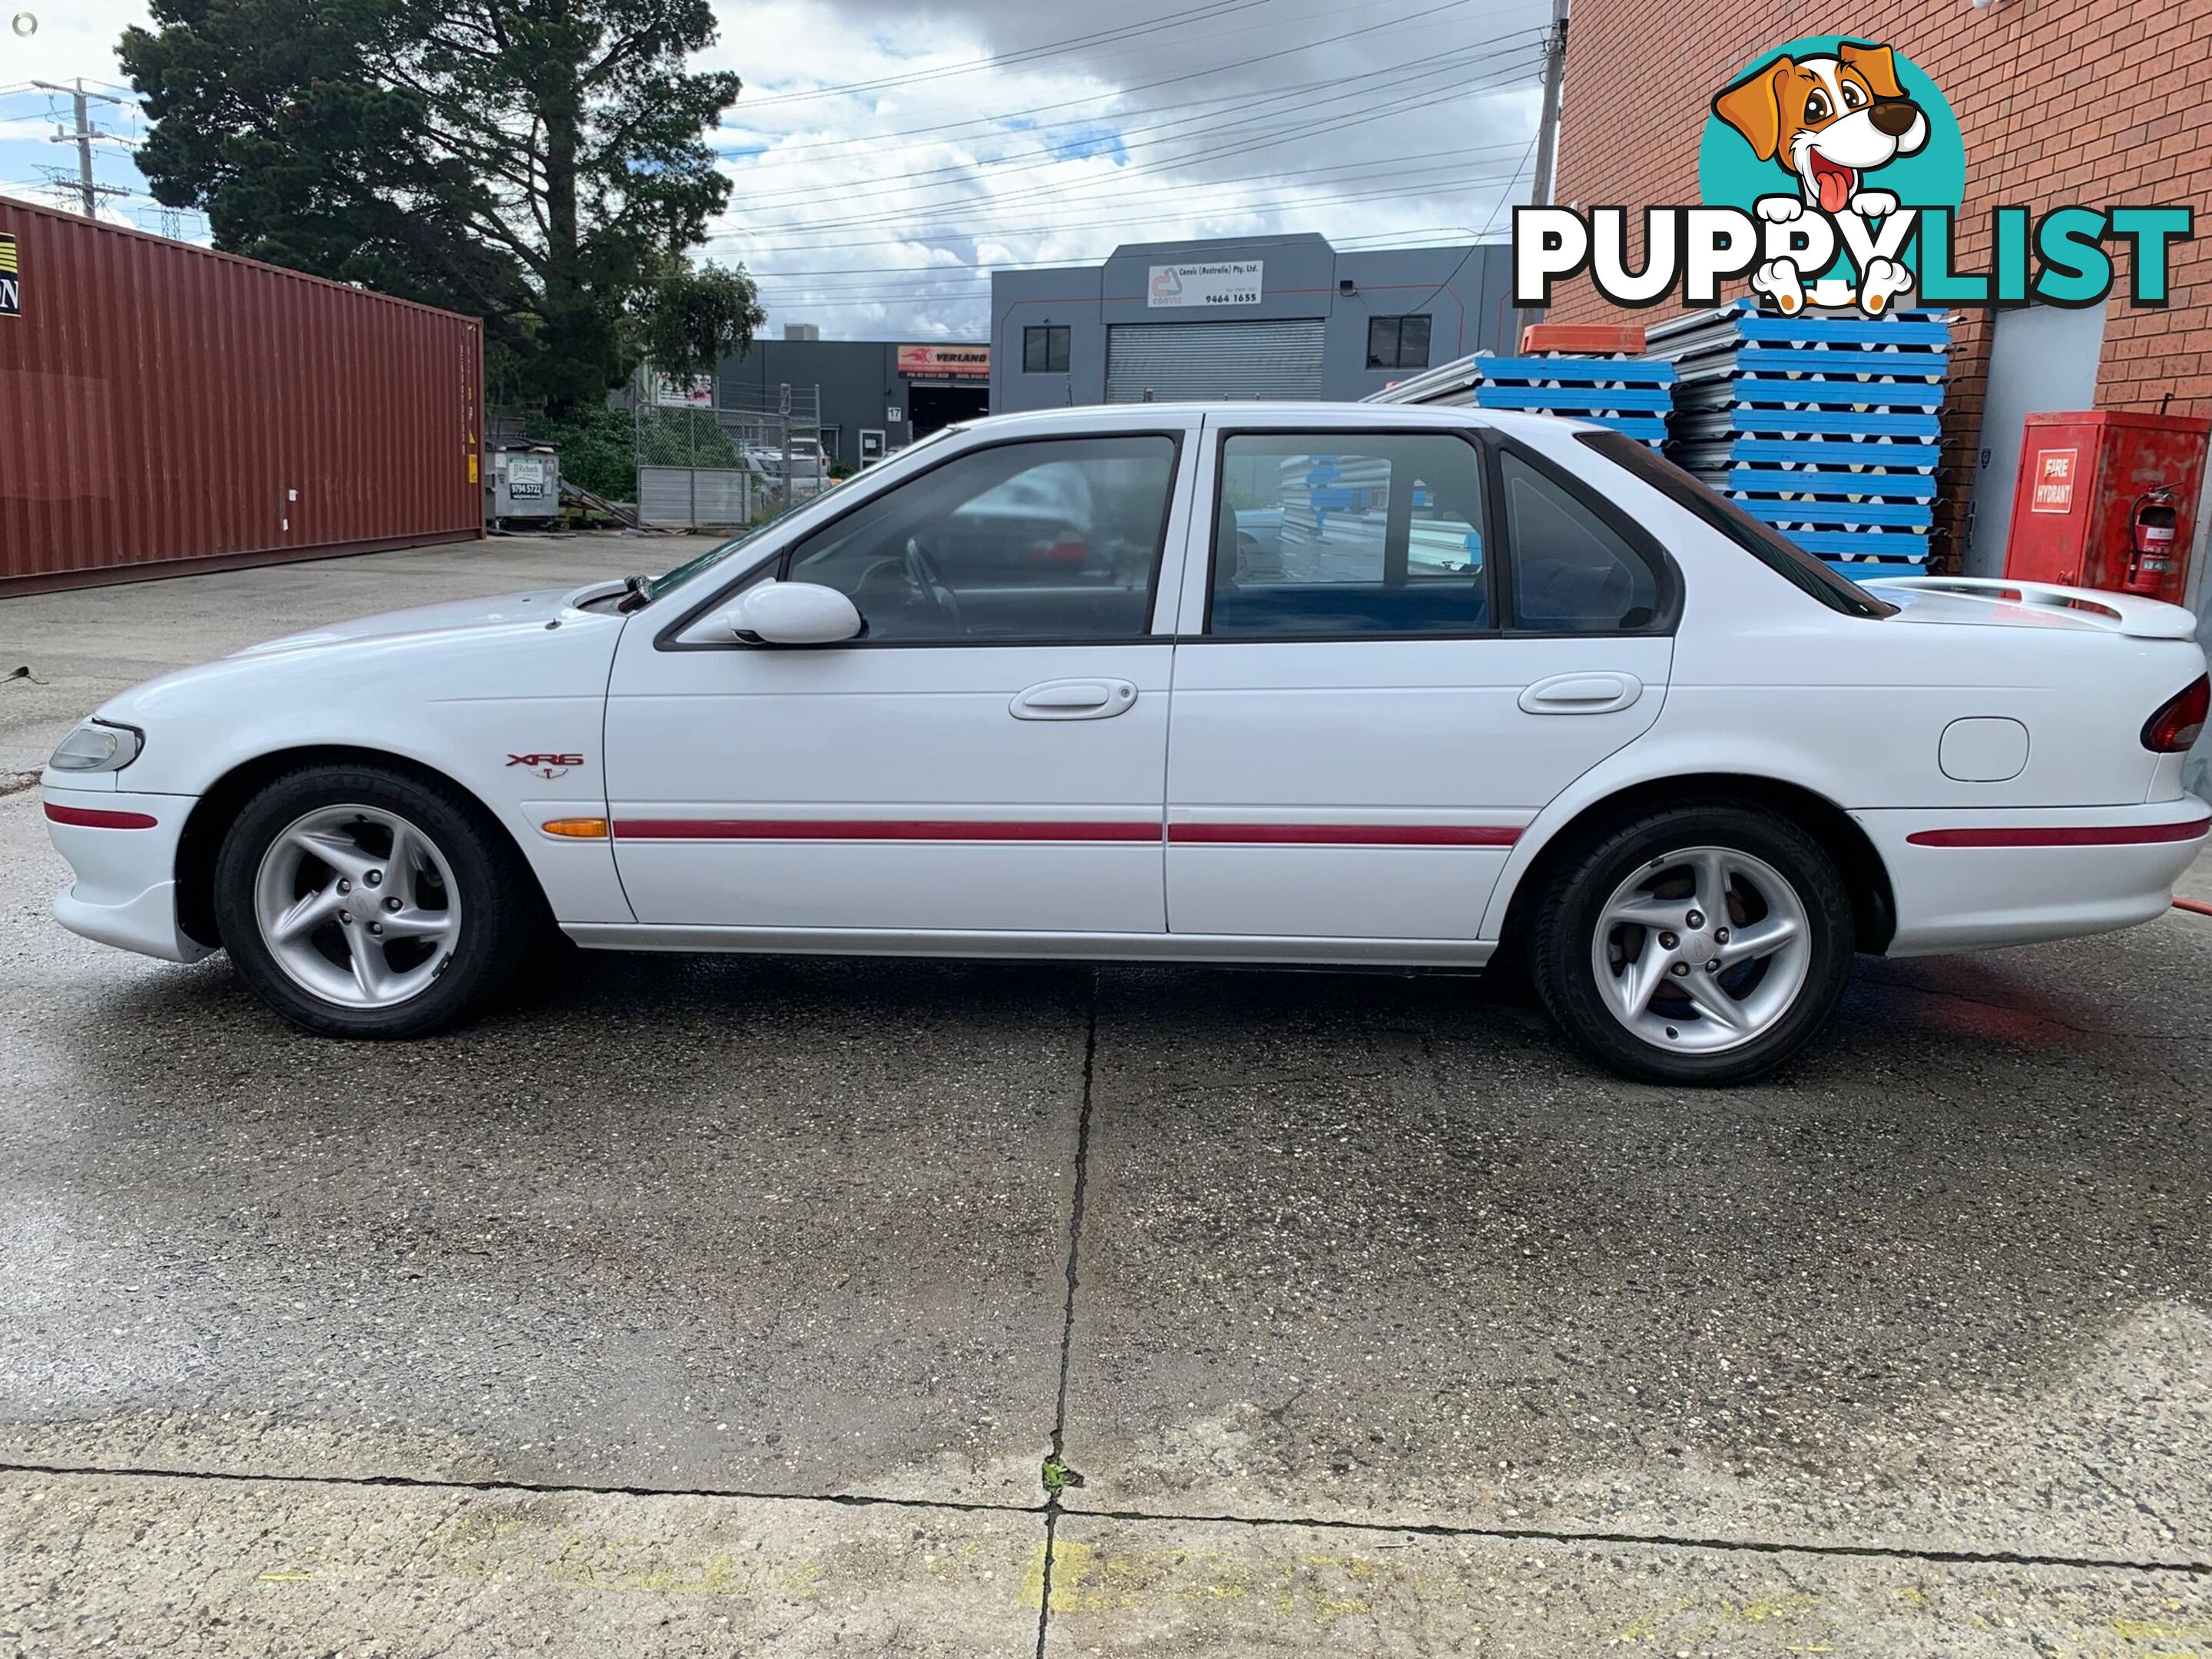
(1702, 950)
(357, 906)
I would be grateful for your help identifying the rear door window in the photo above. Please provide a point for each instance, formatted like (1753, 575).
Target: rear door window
(1348, 533)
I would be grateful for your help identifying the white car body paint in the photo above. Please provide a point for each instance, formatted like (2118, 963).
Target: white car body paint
(460, 688)
(1394, 734)
(1370, 799)
(113, 900)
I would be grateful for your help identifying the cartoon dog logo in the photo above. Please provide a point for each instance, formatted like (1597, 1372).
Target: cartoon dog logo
(1830, 121)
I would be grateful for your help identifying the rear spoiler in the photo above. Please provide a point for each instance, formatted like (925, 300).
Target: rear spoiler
(2116, 613)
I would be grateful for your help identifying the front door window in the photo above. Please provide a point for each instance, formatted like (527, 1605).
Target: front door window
(1022, 543)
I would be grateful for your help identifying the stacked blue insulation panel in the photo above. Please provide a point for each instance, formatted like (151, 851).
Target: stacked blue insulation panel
(1632, 395)
(1825, 425)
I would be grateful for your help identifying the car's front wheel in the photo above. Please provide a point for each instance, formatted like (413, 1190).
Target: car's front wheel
(361, 901)
(1699, 943)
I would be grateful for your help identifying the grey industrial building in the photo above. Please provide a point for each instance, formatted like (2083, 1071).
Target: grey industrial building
(877, 395)
(1281, 317)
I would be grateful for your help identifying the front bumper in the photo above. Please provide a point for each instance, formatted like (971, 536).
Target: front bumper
(1969, 880)
(122, 849)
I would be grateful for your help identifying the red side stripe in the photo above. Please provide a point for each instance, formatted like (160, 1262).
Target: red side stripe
(2125, 834)
(1310, 835)
(93, 817)
(874, 829)
(1348, 834)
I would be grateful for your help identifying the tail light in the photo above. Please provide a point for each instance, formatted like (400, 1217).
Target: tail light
(2180, 719)
(1067, 548)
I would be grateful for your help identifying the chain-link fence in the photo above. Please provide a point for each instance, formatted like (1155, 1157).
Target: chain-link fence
(707, 463)
(689, 473)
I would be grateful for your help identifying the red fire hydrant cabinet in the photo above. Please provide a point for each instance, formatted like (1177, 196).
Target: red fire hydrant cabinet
(2108, 499)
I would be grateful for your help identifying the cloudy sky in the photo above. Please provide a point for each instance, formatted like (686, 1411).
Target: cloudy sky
(886, 155)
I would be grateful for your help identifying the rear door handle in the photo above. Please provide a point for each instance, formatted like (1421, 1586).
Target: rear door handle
(1582, 694)
(1073, 700)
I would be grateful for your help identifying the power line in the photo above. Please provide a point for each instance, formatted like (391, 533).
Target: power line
(1463, 57)
(1509, 183)
(828, 297)
(1456, 236)
(1269, 240)
(1020, 55)
(1124, 92)
(1243, 144)
(1202, 126)
(1503, 196)
(1138, 198)
(1403, 177)
(82, 134)
(1399, 188)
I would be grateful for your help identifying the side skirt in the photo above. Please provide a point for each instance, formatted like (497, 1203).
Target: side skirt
(1043, 947)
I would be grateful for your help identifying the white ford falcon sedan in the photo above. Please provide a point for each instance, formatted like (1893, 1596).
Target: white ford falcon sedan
(1245, 683)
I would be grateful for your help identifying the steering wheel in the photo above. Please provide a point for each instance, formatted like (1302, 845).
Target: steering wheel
(922, 570)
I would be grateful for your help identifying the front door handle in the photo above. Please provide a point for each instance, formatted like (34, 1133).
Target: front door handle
(1582, 694)
(1073, 700)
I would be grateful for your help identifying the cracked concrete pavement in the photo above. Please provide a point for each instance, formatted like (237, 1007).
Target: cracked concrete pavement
(713, 1306)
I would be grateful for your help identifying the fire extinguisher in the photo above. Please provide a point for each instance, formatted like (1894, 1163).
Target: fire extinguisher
(2150, 556)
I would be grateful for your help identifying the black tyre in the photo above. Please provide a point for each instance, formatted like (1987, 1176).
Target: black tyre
(364, 903)
(1704, 943)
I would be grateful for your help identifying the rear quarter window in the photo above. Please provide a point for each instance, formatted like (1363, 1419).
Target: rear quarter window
(1572, 572)
(1765, 543)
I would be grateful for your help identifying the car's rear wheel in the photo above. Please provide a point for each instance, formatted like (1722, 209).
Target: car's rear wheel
(1700, 944)
(359, 901)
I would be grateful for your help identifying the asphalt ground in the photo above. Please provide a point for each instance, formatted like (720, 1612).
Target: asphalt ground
(730, 1305)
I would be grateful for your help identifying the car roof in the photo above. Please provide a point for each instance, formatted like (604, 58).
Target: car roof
(1135, 417)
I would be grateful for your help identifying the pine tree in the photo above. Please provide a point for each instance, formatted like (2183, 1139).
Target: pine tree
(540, 163)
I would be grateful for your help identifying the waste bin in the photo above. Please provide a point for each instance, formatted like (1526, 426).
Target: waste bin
(523, 483)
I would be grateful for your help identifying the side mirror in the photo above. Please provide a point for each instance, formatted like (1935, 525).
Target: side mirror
(796, 613)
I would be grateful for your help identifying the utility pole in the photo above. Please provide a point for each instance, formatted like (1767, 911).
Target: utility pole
(88, 193)
(1547, 128)
(1547, 124)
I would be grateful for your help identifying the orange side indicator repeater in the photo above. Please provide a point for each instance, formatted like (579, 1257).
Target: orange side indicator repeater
(577, 829)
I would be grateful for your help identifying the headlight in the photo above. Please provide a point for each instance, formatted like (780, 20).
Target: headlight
(96, 746)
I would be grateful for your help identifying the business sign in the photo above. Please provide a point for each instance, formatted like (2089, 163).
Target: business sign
(11, 281)
(694, 392)
(1233, 283)
(2054, 481)
(525, 478)
(960, 362)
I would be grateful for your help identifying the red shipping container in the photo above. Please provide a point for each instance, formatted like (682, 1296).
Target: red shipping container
(2085, 478)
(165, 408)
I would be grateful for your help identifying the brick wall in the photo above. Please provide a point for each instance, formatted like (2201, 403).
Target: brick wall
(2061, 102)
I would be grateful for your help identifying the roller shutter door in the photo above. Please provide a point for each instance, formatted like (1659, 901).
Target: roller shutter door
(1186, 362)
